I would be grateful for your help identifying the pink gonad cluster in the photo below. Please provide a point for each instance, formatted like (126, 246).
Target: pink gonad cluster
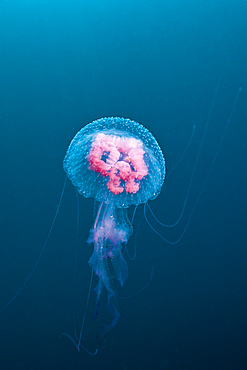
(121, 159)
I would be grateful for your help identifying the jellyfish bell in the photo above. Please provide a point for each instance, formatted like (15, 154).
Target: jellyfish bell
(116, 160)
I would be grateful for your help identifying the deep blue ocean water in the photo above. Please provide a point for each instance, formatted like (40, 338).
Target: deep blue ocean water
(66, 63)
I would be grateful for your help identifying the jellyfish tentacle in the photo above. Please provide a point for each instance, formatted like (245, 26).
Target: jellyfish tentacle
(109, 233)
(42, 250)
(192, 176)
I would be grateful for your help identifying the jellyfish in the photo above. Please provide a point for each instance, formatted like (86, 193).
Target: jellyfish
(119, 163)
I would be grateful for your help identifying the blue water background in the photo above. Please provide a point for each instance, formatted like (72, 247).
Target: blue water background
(66, 63)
